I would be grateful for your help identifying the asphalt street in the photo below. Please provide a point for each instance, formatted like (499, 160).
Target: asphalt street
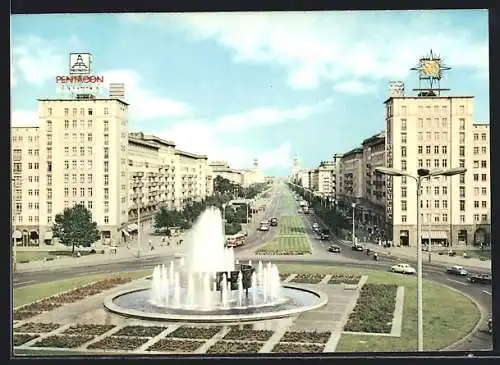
(435, 272)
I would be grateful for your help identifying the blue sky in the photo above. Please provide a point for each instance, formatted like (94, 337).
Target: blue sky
(238, 86)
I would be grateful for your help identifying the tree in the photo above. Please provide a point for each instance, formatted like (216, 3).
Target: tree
(74, 227)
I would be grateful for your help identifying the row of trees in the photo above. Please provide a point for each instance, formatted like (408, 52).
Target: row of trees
(224, 191)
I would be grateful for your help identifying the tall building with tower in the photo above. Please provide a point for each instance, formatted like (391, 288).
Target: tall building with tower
(434, 131)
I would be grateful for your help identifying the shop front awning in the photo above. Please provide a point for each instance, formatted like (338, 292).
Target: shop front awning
(125, 232)
(132, 227)
(48, 235)
(435, 235)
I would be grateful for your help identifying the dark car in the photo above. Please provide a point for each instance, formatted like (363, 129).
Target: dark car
(480, 278)
(357, 247)
(334, 248)
(457, 270)
(490, 326)
(274, 221)
(325, 235)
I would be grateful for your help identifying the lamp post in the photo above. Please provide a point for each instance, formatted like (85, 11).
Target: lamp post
(139, 227)
(224, 220)
(353, 205)
(421, 175)
(246, 223)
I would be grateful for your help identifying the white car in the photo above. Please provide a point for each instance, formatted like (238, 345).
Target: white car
(315, 226)
(403, 269)
(264, 227)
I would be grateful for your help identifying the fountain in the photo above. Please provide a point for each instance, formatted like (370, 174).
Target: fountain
(207, 283)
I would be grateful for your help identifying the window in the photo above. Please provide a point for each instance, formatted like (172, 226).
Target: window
(420, 109)
(89, 139)
(462, 205)
(427, 204)
(420, 136)
(476, 177)
(106, 166)
(420, 150)
(403, 137)
(428, 136)
(444, 150)
(444, 136)
(403, 124)
(73, 164)
(445, 217)
(89, 164)
(106, 219)
(445, 204)
(403, 151)
(89, 204)
(66, 151)
(476, 204)
(89, 192)
(436, 190)
(420, 163)
(483, 164)
(403, 180)
(420, 123)
(462, 178)
(462, 191)
(49, 193)
(106, 111)
(403, 191)
(82, 164)
(461, 122)
(66, 164)
(106, 193)
(436, 108)
(462, 218)
(436, 123)
(476, 164)
(461, 163)
(461, 109)
(49, 111)
(403, 205)
(428, 150)
(483, 177)
(106, 207)
(106, 179)
(106, 126)
(66, 178)
(476, 137)
(428, 123)
(483, 150)
(90, 111)
(106, 139)
(75, 111)
(74, 192)
(444, 163)
(82, 192)
(428, 190)
(66, 192)
(403, 218)
(428, 163)
(436, 204)
(484, 217)
(82, 178)
(483, 204)
(89, 178)
(436, 150)
(436, 136)
(483, 191)
(436, 162)
(461, 137)
(444, 123)
(82, 124)
(82, 151)
(106, 152)
(483, 136)
(427, 109)
(462, 151)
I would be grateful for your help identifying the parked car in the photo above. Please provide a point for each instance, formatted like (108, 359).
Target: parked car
(264, 227)
(315, 226)
(480, 278)
(334, 249)
(457, 270)
(274, 221)
(325, 235)
(403, 269)
(357, 247)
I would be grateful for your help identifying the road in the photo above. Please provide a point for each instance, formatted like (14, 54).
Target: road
(435, 272)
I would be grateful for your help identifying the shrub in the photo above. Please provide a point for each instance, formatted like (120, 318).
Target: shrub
(195, 332)
(308, 278)
(21, 339)
(295, 348)
(234, 347)
(171, 345)
(118, 343)
(63, 341)
(89, 329)
(37, 327)
(306, 337)
(248, 334)
(140, 331)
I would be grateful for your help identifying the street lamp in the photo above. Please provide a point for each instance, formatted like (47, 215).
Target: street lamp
(421, 175)
(139, 227)
(353, 205)
(224, 220)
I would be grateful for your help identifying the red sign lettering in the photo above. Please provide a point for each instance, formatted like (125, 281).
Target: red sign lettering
(85, 79)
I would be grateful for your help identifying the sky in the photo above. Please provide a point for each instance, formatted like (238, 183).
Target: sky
(265, 85)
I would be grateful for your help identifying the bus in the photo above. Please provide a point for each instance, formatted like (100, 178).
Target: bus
(237, 240)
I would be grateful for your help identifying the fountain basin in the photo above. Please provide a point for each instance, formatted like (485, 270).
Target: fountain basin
(135, 303)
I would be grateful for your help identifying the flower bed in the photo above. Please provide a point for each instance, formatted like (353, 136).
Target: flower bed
(224, 347)
(308, 278)
(22, 315)
(296, 347)
(140, 331)
(283, 276)
(89, 329)
(374, 310)
(248, 334)
(118, 343)
(63, 341)
(21, 339)
(306, 337)
(37, 327)
(204, 333)
(170, 345)
(344, 279)
(56, 301)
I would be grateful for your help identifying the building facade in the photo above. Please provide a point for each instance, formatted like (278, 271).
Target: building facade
(352, 176)
(437, 133)
(244, 177)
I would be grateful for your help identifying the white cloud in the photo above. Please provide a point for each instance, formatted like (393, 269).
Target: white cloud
(24, 118)
(334, 46)
(144, 104)
(354, 87)
(280, 157)
(13, 80)
(38, 60)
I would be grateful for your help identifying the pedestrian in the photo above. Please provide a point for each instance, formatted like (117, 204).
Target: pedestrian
(150, 243)
(162, 241)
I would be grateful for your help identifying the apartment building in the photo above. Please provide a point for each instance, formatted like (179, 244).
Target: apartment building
(352, 176)
(437, 132)
(374, 194)
(25, 152)
(244, 177)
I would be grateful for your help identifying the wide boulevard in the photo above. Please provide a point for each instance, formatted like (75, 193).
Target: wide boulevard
(280, 204)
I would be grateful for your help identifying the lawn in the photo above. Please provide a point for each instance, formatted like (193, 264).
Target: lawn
(31, 293)
(294, 245)
(39, 255)
(291, 225)
(448, 315)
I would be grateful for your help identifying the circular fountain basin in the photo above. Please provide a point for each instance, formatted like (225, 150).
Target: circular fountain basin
(136, 303)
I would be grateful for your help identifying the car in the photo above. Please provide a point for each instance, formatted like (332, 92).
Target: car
(403, 269)
(479, 278)
(274, 221)
(315, 225)
(457, 270)
(490, 326)
(264, 227)
(357, 247)
(325, 235)
(334, 248)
